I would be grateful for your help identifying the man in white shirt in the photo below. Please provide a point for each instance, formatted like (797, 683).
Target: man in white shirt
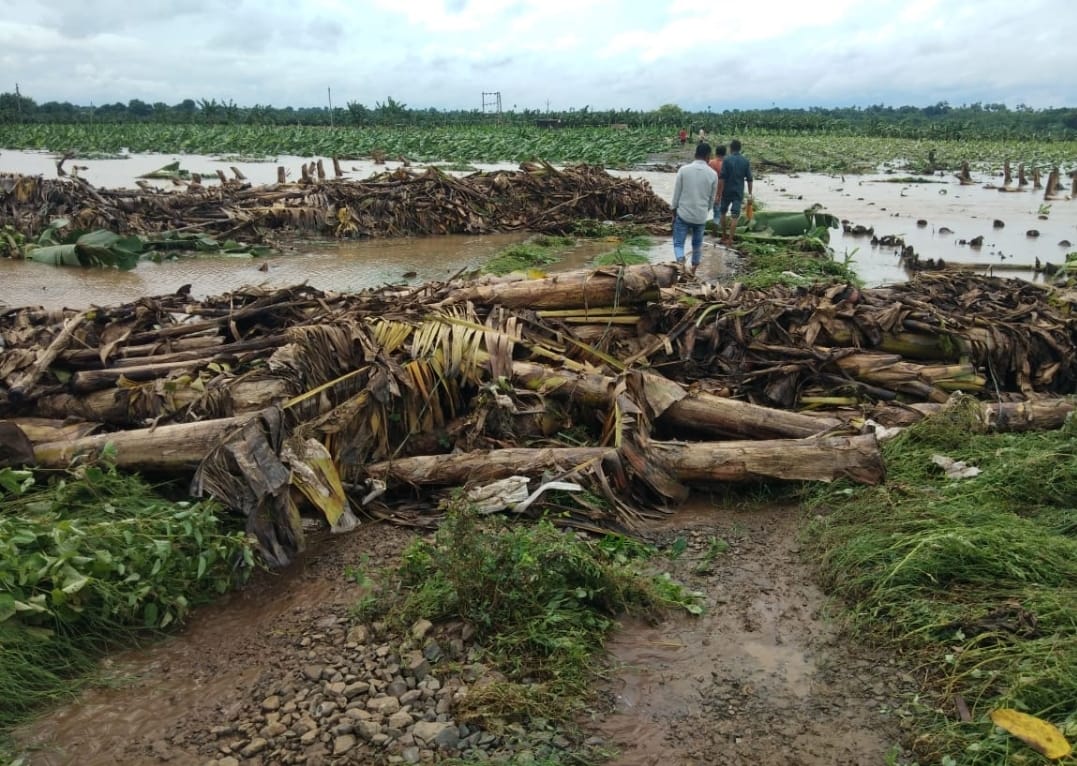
(693, 198)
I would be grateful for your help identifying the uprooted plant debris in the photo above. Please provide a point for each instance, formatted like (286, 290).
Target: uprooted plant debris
(622, 380)
(537, 197)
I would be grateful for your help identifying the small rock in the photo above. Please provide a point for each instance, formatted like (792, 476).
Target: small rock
(336, 689)
(383, 705)
(410, 754)
(309, 737)
(416, 665)
(355, 689)
(443, 734)
(367, 729)
(343, 744)
(421, 628)
(360, 634)
(400, 720)
(227, 761)
(312, 672)
(272, 730)
(255, 746)
(271, 703)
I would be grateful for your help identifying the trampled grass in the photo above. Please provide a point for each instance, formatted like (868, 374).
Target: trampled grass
(975, 579)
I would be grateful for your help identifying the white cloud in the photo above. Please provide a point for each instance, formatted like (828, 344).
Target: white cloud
(636, 54)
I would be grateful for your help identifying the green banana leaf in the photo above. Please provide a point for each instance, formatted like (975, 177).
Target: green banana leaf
(171, 170)
(790, 224)
(103, 248)
(95, 248)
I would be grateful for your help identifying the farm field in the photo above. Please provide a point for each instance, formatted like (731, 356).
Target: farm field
(768, 621)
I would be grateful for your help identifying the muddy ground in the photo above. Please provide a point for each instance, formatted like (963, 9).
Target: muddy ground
(763, 677)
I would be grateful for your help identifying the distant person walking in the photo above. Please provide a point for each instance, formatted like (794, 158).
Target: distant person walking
(736, 170)
(716, 165)
(693, 198)
(702, 135)
(683, 136)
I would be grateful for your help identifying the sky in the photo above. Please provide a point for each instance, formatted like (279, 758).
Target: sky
(556, 54)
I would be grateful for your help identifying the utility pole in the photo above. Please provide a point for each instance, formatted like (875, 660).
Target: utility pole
(330, 106)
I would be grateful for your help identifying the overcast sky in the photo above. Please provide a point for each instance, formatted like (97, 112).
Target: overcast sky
(567, 53)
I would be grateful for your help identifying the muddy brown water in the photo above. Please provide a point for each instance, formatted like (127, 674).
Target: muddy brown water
(968, 211)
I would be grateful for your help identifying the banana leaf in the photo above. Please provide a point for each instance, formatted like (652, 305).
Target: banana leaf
(789, 224)
(171, 170)
(95, 248)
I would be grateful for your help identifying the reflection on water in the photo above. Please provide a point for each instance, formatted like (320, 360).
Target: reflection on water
(968, 211)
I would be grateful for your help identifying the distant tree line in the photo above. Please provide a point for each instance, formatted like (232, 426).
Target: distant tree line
(941, 120)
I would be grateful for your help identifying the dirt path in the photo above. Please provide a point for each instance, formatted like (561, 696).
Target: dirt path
(760, 679)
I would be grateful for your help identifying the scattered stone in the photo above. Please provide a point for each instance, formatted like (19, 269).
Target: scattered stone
(312, 672)
(271, 703)
(359, 634)
(421, 628)
(368, 729)
(416, 665)
(383, 705)
(355, 689)
(443, 734)
(254, 747)
(343, 744)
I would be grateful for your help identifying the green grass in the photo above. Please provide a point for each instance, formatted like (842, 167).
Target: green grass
(93, 560)
(975, 580)
(541, 601)
(765, 264)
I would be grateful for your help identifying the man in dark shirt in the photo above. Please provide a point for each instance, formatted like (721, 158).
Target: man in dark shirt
(736, 170)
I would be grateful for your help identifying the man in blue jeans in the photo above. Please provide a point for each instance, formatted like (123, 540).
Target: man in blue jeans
(736, 170)
(693, 197)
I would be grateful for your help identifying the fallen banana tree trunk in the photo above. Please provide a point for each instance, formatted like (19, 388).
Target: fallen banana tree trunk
(1001, 417)
(672, 404)
(615, 286)
(823, 459)
(175, 448)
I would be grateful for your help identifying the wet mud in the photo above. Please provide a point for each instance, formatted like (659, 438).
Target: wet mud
(763, 677)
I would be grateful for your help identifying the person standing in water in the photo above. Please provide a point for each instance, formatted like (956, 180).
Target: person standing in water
(716, 165)
(736, 171)
(693, 198)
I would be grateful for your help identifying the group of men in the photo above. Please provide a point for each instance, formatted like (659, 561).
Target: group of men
(704, 186)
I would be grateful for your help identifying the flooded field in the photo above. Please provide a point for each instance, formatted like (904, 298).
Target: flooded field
(952, 213)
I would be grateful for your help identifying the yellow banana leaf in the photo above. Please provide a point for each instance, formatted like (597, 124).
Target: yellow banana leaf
(315, 475)
(1034, 732)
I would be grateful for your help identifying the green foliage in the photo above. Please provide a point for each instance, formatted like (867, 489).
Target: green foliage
(468, 138)
(766, 264)
(541, 601)
(91, 560)
(977, 576)
(538, 251)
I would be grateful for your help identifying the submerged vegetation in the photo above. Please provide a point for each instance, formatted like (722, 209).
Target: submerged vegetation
(974, 579)
(92, 560)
